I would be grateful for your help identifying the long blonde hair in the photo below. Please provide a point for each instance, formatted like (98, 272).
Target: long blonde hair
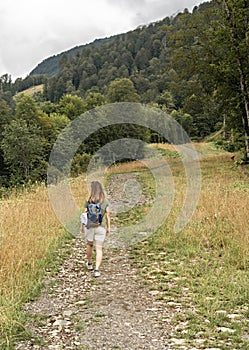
(97, 193)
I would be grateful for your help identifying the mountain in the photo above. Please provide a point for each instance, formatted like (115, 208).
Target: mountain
(185, 65)
(50, 65)
(149, 56)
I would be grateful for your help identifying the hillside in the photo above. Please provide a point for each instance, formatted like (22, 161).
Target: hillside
(145, 55)
(51, 65)
(185, 66)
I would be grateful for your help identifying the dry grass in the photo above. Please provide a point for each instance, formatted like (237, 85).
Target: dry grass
(28, 230)
(32, 90)
(204, 268)
(126, 167)
(220, 220)
(28, 226)
(79, 190)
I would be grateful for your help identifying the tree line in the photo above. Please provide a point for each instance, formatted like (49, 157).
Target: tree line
(194, 66)
(30, 126)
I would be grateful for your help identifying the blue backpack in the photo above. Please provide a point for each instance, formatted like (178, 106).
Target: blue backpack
(94, 215)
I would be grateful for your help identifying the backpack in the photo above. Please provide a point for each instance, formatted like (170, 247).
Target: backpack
(94, 215)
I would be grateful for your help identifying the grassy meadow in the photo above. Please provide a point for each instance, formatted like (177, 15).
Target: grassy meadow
(30, 236)
(201, 272)
(32, 90)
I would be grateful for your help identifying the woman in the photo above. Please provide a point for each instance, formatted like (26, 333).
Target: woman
(97, 208)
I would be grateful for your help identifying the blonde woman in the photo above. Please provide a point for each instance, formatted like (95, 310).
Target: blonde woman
(98, 214)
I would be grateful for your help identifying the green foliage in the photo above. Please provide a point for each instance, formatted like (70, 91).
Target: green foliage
(30, 81)
(71, 106)
(165, 100)
(22, 147)
(26, 108)
(106, 135)
(122, 90)
(94, 99)
(185, 120)
(193, 65)
(167, 62)
(5, 83)
(5, 114)
(80, 163)
(234, 144)
(51, 125)
(50, 66)
(230, 63)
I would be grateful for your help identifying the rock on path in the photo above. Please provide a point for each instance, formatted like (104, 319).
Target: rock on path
(115, 311)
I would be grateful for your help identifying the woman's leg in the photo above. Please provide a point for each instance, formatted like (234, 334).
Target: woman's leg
(89, 251)
(89, 247)
(99, 254)
(100, 233)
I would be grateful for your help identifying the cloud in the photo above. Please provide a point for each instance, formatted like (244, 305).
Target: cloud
(144, 11)
(128, 4)
(34, 30)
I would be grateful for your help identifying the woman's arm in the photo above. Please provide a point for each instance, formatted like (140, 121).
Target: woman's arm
(82, 228)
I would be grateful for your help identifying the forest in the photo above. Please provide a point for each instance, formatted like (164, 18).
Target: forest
(194, 66)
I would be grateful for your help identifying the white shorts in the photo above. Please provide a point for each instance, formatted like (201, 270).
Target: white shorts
(95, 234)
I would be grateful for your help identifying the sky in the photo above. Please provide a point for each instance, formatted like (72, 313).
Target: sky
(33, 30)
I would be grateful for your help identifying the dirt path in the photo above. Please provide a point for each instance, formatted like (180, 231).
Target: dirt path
(115, 311)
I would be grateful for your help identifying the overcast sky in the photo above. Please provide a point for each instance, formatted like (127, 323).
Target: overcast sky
(32, 30)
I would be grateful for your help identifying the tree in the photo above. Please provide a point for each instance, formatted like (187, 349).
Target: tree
(26, 108)
(236, 25)
(5, 118)
(184, 119)
(94, 99)
(141, 59)
(51, 125)
(22, 148)
(5, 83)
(165, 100)
(71, 106)
(5, 114)
(122, 90)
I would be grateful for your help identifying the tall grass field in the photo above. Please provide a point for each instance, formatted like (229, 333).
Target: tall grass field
(201, 271)
(30, 236)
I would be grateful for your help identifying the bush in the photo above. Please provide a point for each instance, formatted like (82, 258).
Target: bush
(79, 164)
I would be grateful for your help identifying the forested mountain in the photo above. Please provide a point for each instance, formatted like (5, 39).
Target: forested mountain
(193, 66)
(50, 66)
